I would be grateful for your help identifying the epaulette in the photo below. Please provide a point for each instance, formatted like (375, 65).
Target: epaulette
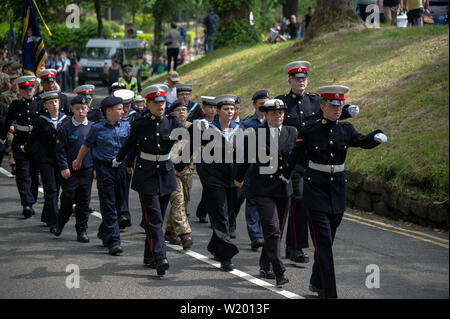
(312, 94)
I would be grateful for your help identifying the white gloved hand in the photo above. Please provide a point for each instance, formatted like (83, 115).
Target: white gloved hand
(353, 110)
(284, 179)
(380, 137)
(115, 163)
(2, 141)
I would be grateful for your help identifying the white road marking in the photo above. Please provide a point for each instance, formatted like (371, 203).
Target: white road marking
(5, 172)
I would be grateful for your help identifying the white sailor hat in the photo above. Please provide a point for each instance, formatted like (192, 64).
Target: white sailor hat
(25, 82)
(156, 92)
(183, 87)
(47, 75)
(116, 86)
(49, 95)
(208, 100)
(126, 95)
(298, 69)
(139, 98)
(87, 89)
(225, 99)
(333, 94)
(273, 105)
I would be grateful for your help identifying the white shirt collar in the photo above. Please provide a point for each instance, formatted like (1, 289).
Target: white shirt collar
(74, 122)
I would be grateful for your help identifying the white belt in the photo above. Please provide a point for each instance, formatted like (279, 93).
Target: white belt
(155, 158)
(327, 168)
(24, 128)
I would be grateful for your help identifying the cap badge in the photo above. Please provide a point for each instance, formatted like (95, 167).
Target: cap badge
(158, 93)
(26, 82)
(83, 101)
(336, 95)
(277, 104)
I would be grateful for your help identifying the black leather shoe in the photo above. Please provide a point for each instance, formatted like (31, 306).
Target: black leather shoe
(124, 222)
(299, 256)
(268, 274)
(27, 212)
(57, 230)
(257, 242)
(161, 267)
(114, 251)
(281, 280)
(202, 220)
(227, 265)
(232, 235)
(150, 262)
(82, 237)
(316, 290)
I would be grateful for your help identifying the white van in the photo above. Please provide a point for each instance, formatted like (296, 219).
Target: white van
(99, 54)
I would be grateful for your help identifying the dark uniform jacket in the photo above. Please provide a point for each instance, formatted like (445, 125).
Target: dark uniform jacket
(325, 142)
(301, 109)
(269, 185)
(43, 137)
(3, 114)
(95, 115)
(23, 112)
(194, 111)
(151, 134)
(64, 105)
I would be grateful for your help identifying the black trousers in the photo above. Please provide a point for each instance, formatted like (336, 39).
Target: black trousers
(237, 199)
(124, 196)
(51, 181)
(153, 210)
(201, 208)
(219, 204)
(172, 53)
(297, 231)
(272, 213)
(323, 228)
(76, 190)
(27, 177)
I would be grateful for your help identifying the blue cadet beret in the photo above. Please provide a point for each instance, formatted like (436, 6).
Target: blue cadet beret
(110, 101)
(79, 99)
(174, 105)
(261, 94)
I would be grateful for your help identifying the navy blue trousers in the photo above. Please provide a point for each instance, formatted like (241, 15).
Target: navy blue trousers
(297, 231)
(27, 177)
(51, 181)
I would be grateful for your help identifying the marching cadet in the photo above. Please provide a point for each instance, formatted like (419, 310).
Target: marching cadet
(184, 93)
(43, 135)
(323, 143)
(105, 139)
(270, 194)
(154, 175)
(76, 184)
(87, 90)
(128, 80)
(129, 115)
(139, 105)
(178, 231)
(9, 68)
(23, 112)
(209, 112)
(13, 93)
(301, 106)
(48, 82)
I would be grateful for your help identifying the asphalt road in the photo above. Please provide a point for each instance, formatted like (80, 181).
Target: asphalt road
(412, 261)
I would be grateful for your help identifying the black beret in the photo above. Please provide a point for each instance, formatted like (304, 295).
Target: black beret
(261, 94)
(238, 100)
(110, 101)
(174, 105)
(79, 99)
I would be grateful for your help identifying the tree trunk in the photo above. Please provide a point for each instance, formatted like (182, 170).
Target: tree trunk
(332, 15)
(158, 14)
(290, 7)
(98, 12)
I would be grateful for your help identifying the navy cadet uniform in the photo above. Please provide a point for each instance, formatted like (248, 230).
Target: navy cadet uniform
(23, 112)
(299, 110)
(123, 214)
(104, 141)
(87, 90)
(270, 194)
(194, 109)
(43, 140)
(49, 76)
(77, 188)
(323, 144)
(154, 173)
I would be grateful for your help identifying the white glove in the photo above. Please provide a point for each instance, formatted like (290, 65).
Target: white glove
(115, 163)
(2, 141)
(353, 110)
(284, 179)
(380, 137)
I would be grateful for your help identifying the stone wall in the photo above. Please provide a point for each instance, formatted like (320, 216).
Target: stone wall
(370, 195)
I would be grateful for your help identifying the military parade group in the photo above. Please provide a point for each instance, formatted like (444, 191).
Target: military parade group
(126, 143)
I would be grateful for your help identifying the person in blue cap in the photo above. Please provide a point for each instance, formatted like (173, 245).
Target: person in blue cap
(43, 137)
(323, 145)
(76, 184)
(105, 139)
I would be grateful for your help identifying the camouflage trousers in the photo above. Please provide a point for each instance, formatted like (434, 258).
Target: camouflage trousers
(177, 221)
